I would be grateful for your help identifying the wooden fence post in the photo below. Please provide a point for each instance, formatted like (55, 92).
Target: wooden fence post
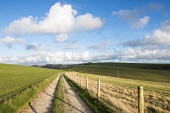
(81, 81)
(75, 79)
(87, 83)
(98, 89)
(140, 100)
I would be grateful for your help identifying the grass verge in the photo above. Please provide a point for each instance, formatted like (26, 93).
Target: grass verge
(17, 102)
(59, 96)
(93, 103)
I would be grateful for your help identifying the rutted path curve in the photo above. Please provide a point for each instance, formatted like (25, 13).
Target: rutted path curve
(74, 103)
(43, 102)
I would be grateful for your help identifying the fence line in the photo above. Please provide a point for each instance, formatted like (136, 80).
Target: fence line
(119, 96)
(92, 86)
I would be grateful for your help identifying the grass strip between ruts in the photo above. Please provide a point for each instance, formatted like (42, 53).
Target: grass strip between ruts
(58, 105)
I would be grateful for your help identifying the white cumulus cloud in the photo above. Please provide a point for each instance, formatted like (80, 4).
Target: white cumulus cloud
(159, 36)
(149, 55)
(141, 22)
(36, 47)
(132, 18)
(88, 22)
(72, 46)
(101, 46)
(61, 38)
(47, 58)
(129, 54)
(59, 19)
(10, 41)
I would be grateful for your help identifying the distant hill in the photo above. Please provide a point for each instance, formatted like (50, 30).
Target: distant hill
(53, 66)
(137, 71)
(133, 65)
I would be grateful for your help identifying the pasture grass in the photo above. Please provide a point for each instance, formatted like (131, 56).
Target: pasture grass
(122, 93)
(15, 78)
(127, 73)
(157, 86)
(20, 84)
(133, 65)
(14, 104)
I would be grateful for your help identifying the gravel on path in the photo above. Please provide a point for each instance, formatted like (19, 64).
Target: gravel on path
(74, 104)
(43, 102)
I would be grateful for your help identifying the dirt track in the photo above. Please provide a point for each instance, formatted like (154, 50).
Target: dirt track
(43, 102)
(74, 103)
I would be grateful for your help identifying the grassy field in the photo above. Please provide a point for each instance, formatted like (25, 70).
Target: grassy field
(128, 73)
(134, 65)
(19, 84)
(121, 94)
(150, 85)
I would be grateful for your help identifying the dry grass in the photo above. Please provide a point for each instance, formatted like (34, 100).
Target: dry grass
(124, 98)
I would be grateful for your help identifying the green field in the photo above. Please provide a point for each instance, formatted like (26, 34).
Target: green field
(119, 82)
(16, 79)
(150, 85)
(133, 65)
(122, 93)
(123, 71)
(20, 84)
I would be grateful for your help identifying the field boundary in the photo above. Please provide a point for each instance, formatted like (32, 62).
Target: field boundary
(98, 89)
(131, 86)
(93, 103)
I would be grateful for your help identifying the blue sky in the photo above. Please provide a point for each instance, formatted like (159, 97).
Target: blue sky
(67, 31)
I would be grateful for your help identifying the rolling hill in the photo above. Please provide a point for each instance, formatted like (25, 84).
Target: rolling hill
(147, 72)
